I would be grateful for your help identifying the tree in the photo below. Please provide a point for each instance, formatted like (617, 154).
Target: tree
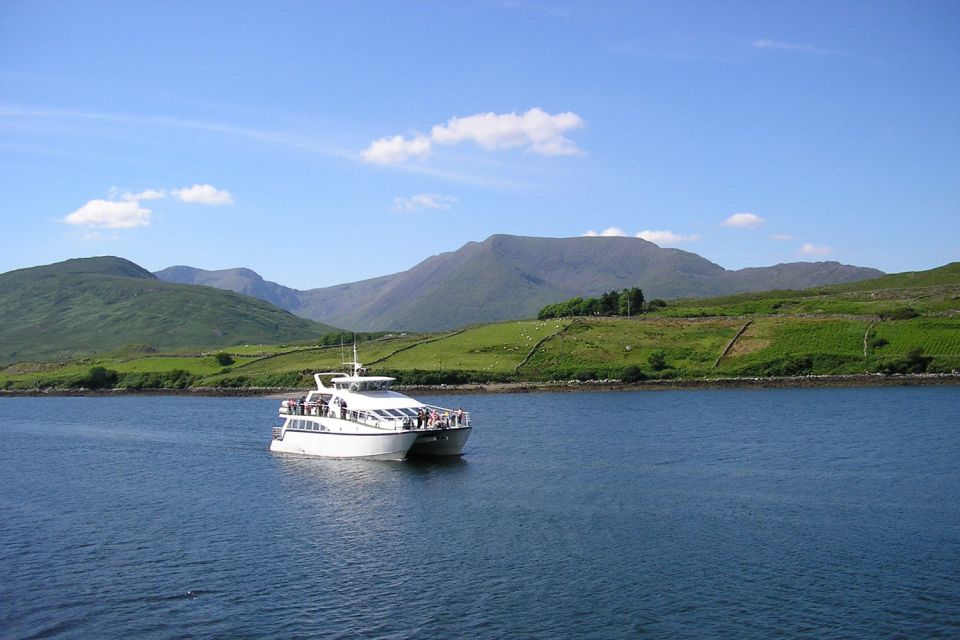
(224, 359)
(631, 302)
(609, 303)
(98, 378)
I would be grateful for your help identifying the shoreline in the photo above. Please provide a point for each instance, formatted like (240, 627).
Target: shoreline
(799, 382)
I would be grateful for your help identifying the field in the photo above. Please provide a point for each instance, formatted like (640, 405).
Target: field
(896, 324)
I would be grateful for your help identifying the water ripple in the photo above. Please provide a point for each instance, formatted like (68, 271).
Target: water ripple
(798, 513)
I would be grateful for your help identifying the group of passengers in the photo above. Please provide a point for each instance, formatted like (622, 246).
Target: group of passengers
(432, 419)
(301, 407)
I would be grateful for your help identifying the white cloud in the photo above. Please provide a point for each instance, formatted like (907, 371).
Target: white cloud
(808, 249)
(791, 46)
(536, 131)
(743, 221)
(203, 194)
(146, 194)
(397, 149)
(423, 201)
(109, 214)
(609, 231)
(665, 237)
(781, 237)
(657, 237)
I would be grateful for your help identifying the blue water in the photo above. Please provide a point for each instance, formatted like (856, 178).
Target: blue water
(818, 513)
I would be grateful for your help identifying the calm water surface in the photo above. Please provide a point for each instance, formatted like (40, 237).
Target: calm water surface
(820, 513)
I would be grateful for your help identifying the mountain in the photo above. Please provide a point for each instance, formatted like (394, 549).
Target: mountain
(244, 281)
(509, 277)
(90, 305)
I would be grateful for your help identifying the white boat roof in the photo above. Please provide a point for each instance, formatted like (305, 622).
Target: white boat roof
(373, 400)
(348, 378)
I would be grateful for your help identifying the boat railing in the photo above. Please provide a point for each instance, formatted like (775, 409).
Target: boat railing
(441, 417)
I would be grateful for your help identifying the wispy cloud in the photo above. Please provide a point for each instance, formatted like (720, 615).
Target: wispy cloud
(778, 45)
(291, 140)
(109, 214)
(808, 249)
(781, 237)
(394, 155)
(423, 201)
(146, 194)
(662, 238)
(743, 221)
(608, 232)
(666, 238)
(536, 131)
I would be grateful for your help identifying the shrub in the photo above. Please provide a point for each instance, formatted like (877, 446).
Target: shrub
(632, 373)
(900, 313)
(97, 378)
(656, 303)
(657, 360)
(223, 359)
(913, 362)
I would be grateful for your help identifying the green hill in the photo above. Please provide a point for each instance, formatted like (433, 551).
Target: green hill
(90, 305)
(898, 323)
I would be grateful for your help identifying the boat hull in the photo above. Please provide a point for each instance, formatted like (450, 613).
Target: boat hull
(445, 442)
(391, 445)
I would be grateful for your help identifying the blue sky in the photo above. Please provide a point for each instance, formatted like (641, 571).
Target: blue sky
(324, 142)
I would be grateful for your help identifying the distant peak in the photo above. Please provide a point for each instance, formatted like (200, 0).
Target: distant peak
(98, 265)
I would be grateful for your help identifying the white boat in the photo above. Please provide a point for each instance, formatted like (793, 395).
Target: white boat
(358, 416)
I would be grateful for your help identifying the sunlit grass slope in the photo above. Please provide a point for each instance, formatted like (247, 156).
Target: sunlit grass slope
(899, 323)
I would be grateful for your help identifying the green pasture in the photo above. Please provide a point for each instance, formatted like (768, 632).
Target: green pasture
(903, 319)
(494, 348)
(937, 336)
(607, 346)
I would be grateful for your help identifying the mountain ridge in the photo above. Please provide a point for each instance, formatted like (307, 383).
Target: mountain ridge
(509, 277)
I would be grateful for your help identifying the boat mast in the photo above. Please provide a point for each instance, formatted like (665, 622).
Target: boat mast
(355, 365)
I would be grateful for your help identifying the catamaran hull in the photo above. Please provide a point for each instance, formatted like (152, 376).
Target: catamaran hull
(373, 446)
(446, 442)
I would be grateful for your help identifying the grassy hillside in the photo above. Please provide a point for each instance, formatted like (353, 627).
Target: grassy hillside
(899, 323)
(92, 305)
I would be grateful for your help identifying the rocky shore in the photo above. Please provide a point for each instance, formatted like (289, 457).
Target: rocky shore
(860, 380)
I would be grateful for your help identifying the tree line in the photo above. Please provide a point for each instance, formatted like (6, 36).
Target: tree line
(627, 302)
